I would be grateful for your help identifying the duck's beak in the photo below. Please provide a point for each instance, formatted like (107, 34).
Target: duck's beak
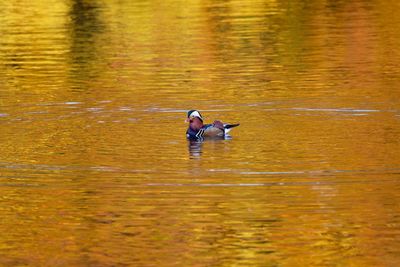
(187, 120)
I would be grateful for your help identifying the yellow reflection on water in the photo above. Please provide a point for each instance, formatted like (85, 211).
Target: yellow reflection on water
(95, 168)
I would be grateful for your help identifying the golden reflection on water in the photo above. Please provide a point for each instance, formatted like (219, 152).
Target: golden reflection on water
(95, 168)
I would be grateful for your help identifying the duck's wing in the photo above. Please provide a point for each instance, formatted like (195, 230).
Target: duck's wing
(211, 131)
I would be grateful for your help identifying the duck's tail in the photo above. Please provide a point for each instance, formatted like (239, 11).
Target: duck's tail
(229, 127)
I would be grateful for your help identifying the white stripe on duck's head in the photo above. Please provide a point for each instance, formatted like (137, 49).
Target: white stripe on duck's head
(194, 114)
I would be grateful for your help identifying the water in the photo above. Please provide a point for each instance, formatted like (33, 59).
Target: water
(95, 168)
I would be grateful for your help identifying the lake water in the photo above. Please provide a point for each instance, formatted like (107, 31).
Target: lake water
(95, 168)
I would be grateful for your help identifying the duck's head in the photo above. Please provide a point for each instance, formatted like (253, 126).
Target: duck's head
(194, 114)
(194, 119)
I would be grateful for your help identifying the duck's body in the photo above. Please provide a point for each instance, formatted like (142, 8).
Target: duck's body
(198, 130)
(209, 130)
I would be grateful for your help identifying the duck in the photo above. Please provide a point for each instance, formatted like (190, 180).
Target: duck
(198, 130)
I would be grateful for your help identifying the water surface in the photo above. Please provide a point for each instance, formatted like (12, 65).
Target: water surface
(95, 169)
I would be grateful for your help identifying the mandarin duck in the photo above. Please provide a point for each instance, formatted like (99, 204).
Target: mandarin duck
(198, 130)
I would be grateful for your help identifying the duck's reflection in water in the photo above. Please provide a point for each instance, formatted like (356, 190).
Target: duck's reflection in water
(195, 148)
(196, 145)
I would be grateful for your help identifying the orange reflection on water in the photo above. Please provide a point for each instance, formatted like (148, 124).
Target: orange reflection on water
(95, 168)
